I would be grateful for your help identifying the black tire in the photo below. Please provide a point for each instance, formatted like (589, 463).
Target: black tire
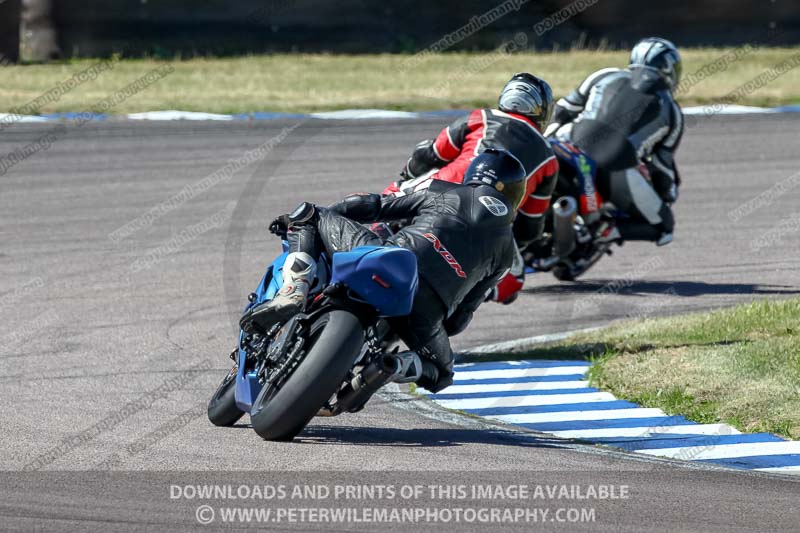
(337, 338)
(563, 273)
(222, 410)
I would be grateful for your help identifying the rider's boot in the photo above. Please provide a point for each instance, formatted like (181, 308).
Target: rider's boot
(409, 368)
(298, 275)
(416, 369)
(607, 233)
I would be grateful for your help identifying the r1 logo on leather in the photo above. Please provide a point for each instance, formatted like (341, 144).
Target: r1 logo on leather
(446, 255)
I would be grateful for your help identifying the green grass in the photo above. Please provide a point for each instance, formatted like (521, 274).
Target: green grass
(740, 365)
(314, 82)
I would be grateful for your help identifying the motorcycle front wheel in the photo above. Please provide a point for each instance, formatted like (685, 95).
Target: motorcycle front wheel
(222, 410)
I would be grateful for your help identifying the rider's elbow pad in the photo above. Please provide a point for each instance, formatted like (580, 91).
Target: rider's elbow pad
(361, 207)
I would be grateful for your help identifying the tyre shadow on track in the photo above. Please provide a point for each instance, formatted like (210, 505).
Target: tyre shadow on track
(417, 437)
(680, 288)
(420, 437)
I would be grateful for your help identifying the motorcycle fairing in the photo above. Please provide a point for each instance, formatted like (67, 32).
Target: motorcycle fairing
(383, 276)
(247, 385)
(585, 169)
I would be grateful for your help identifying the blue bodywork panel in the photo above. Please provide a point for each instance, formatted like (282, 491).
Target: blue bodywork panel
(584, 166)
(383, 276)
(247, 385)
(395, 267)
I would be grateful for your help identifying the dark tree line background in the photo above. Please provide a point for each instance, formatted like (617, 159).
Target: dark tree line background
(69, 28)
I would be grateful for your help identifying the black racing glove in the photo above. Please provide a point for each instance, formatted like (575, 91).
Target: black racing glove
(405, 174)
(303, 214)
(419, 163)
(280, 226)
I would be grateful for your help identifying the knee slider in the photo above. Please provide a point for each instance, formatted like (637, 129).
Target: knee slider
(667, 219)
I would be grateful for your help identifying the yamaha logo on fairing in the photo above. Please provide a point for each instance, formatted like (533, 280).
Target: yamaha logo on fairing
(495, 206)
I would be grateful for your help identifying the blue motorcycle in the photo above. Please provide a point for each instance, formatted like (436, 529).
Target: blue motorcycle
(327, 360)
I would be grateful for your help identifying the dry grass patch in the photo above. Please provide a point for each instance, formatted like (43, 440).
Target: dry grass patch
(739, 365)
(315, 82)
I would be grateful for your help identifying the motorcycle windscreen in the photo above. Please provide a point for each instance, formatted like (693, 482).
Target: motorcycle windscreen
(383, 276)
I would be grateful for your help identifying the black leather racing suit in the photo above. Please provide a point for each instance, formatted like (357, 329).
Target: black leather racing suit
(462, 246)
(623, 118)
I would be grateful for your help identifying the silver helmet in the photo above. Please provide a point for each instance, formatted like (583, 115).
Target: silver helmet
(661, 55)
(529, 96)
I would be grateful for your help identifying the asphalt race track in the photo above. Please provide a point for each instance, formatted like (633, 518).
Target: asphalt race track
(111, 348)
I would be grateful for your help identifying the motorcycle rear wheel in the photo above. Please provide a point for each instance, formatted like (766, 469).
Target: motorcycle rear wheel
(335, 339)
(564, 272)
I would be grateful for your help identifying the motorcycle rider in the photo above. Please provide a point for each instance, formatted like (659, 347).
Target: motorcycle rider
(627, 120)
(523, 110)
(462, 237)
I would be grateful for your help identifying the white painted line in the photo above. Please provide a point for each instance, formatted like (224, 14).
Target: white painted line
(731, 109)
(351, 114)
(177, 115)
(520, 362)
(11, 118)
(795, 469)
(520, 372)
(648, 432)
(356, 114)
(525, 401)
(728, 451)
(506, 387)
(575, 416)
(522, 344)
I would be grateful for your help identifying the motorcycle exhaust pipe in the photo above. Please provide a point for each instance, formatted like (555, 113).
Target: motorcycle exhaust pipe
(564, 212)
(364, 385)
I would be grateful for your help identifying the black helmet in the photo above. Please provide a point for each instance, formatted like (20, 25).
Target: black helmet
(661, 55)
(529, 96)
(501, 170)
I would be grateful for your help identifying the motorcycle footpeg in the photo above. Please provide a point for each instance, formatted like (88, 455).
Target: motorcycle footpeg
(582, 234)
(333, 290)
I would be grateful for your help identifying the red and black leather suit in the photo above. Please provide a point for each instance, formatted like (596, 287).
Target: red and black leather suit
(458, 144)
(450, 154)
